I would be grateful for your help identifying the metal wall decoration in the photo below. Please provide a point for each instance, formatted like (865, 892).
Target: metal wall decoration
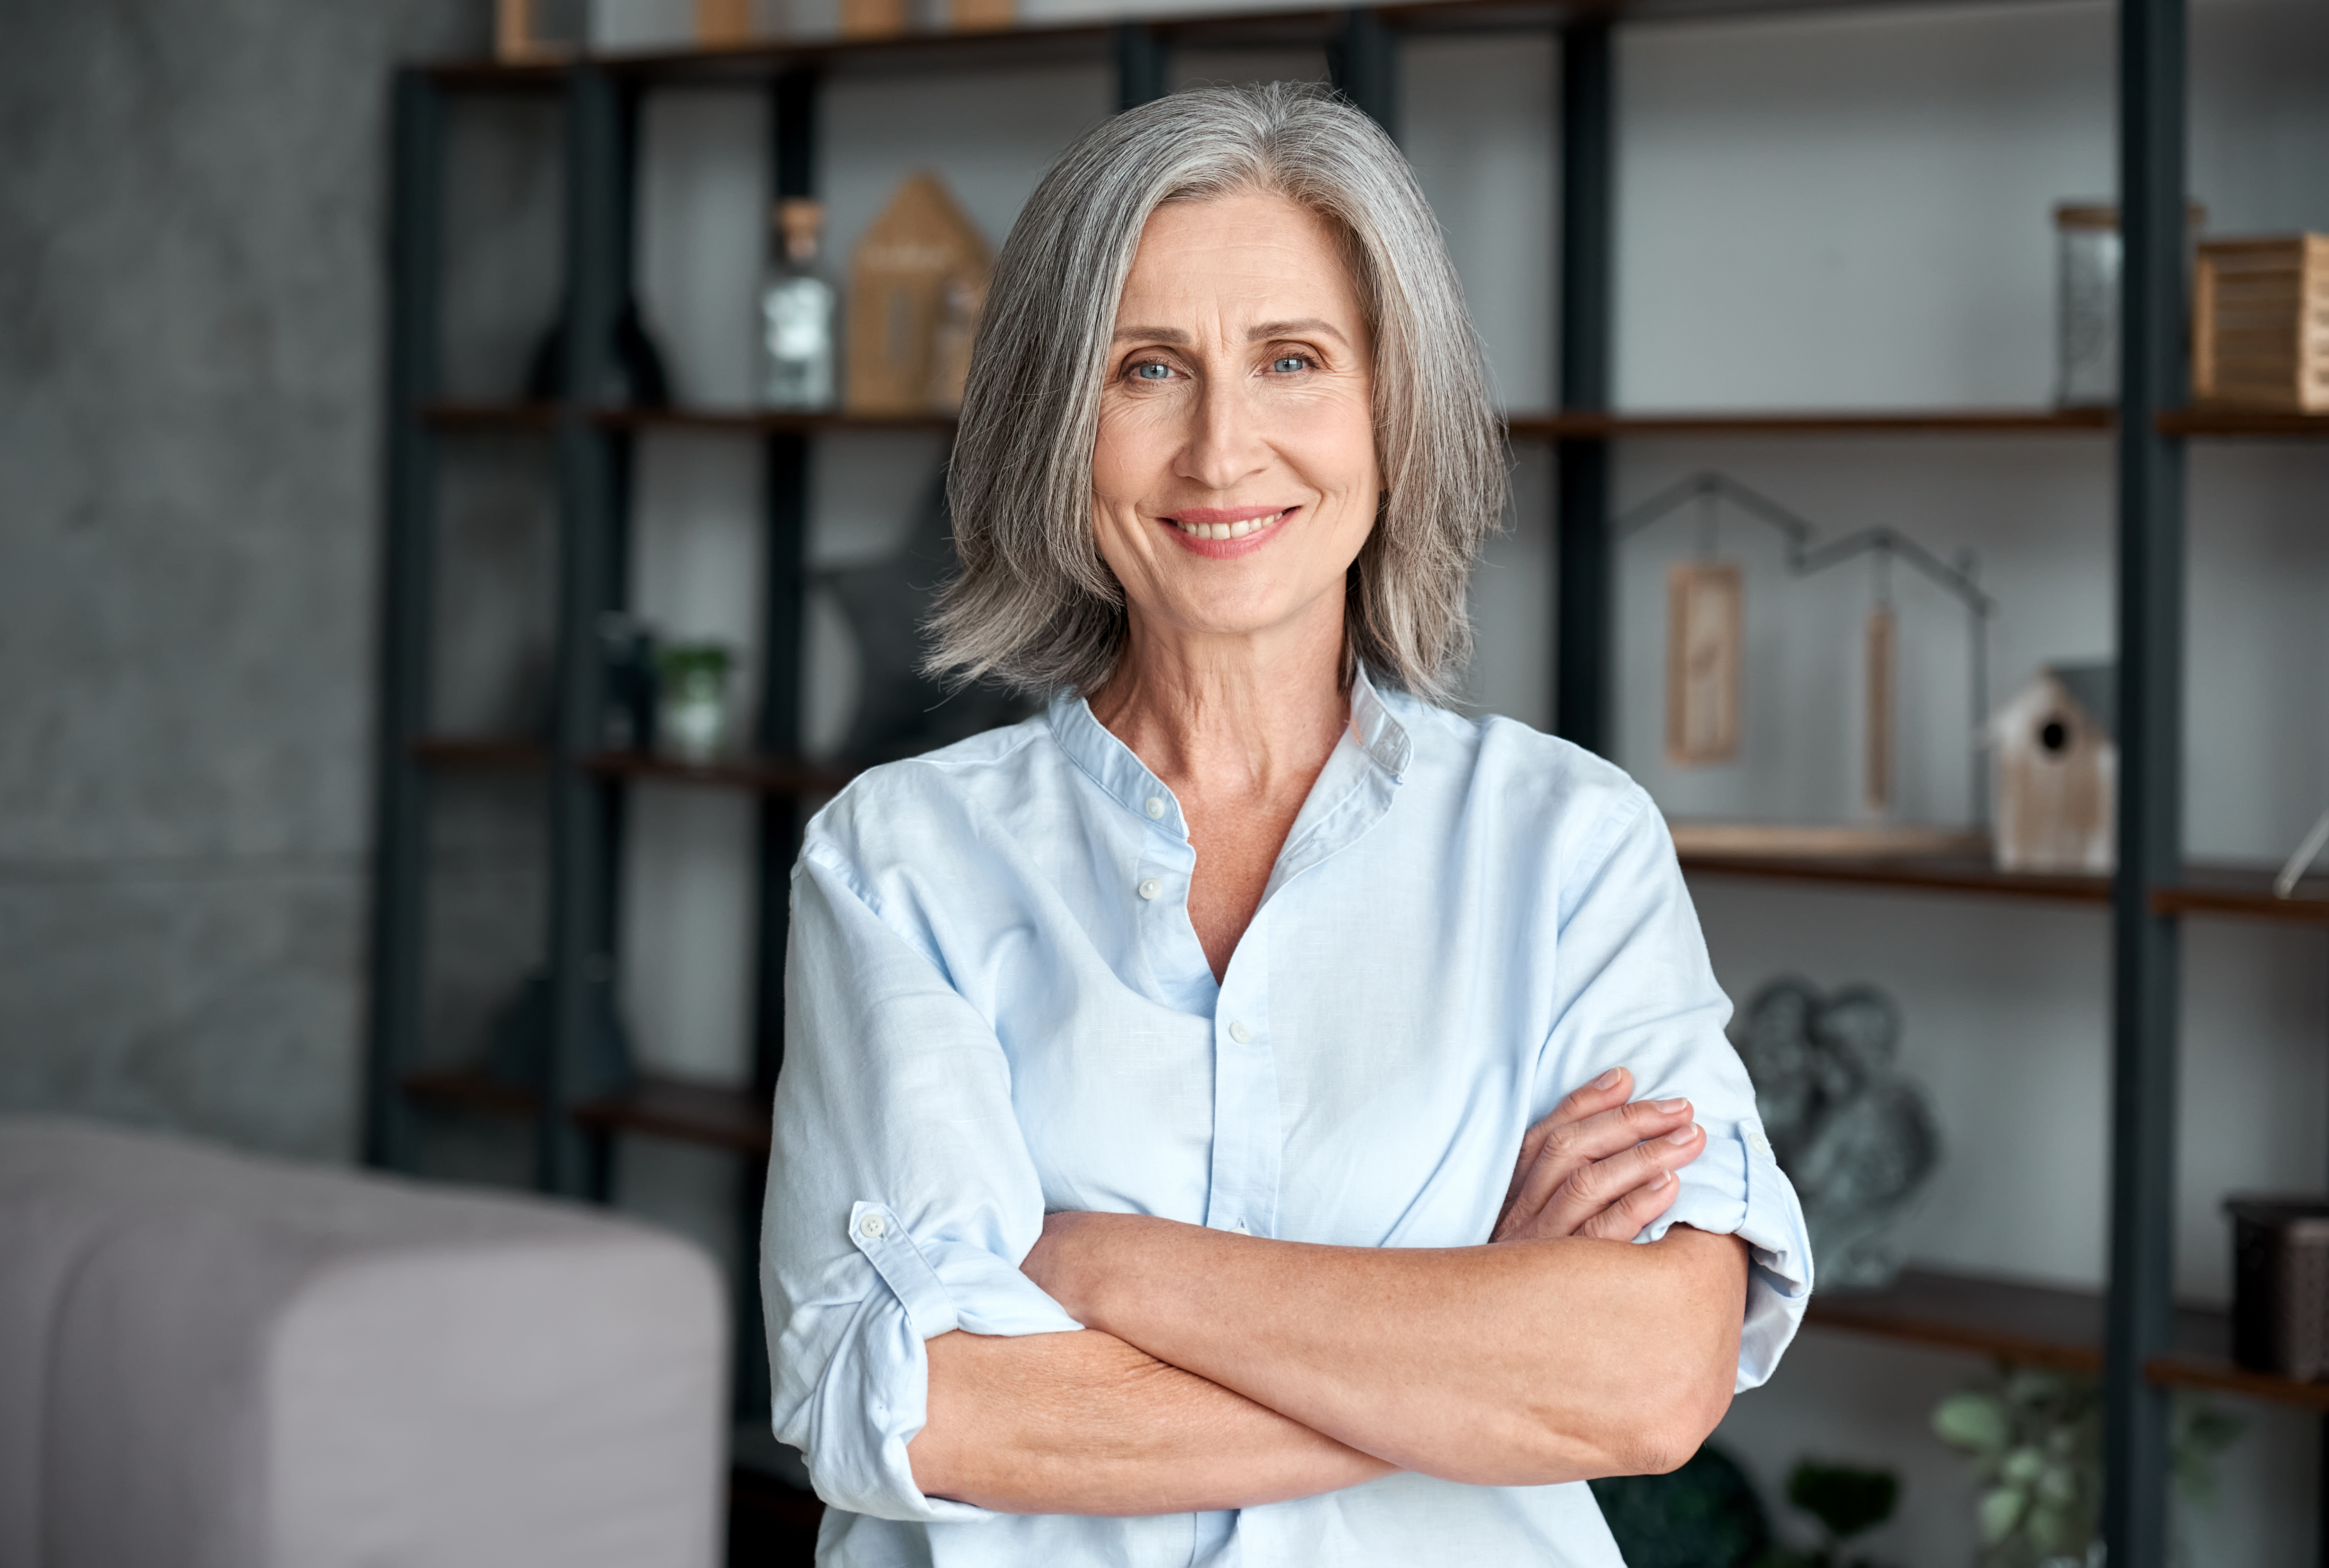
(1695, 654)
(1856, 1137)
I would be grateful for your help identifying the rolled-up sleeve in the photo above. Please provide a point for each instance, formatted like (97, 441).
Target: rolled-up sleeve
(901, 1195)
(1635, 989)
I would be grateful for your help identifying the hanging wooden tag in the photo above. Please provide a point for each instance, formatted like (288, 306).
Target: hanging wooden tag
(1705, 652)
(1883, 645)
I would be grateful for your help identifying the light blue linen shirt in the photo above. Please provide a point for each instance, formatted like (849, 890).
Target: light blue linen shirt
(996, 1007)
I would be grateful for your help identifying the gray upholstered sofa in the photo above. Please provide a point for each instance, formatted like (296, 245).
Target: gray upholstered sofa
(213, 1361)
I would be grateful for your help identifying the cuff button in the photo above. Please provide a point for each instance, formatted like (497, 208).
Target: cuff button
(870, 1227)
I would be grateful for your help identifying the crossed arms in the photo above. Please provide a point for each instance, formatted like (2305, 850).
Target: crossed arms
(1221, 1371)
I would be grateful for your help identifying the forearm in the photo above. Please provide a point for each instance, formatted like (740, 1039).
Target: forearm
(1519, 1364)
(1084, 1423)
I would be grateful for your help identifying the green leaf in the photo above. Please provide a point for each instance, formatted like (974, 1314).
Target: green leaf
(2000, 1511)
(1974, 1421)
(2023, 1466)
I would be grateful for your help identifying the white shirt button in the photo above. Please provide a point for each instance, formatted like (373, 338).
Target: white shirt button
(1758, 1143)
(870, 1227)
(1241, 1034)
(1240, 1230)
(1151, 888)
(1155, 806)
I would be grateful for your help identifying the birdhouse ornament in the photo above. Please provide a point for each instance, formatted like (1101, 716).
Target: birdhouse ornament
(915, 288)
(2054, 756)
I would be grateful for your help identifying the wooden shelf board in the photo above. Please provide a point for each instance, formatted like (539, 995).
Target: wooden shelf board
(468, 1089)
(1916, 874)
(1084, 40)
(763, 775)
(2043, 1325)
(684, 1112)
(2243, 422)
(2182, 1369)
(2207, 889)
(479, 752)
(757, 421)
(450, 416)
(2033, 1324)
(672, 1108)
(1815, 422)
(1522, 426)
(2243, 893)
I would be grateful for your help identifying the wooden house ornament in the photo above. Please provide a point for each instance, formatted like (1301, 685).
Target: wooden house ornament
(2055, 771)
(922, 260)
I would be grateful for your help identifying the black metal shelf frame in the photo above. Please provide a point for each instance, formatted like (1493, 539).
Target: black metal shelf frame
(592, 468)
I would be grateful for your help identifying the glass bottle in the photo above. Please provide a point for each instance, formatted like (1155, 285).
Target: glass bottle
(2086, 320)
(797, 313)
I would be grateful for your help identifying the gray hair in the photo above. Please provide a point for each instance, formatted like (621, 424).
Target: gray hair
(1033, 606)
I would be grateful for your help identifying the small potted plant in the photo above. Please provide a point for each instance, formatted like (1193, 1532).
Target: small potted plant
(693, 714)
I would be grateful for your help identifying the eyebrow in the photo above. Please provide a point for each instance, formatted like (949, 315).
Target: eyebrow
(1267, 330)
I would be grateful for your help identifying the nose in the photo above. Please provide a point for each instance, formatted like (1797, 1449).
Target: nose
(1225, 444)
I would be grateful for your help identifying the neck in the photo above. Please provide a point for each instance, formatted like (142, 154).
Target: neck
(1258, 711)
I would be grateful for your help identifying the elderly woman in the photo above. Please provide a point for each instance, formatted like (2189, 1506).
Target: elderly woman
(1218, 1112)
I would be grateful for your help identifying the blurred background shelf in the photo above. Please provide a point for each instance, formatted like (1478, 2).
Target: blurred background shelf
(1577, 425)
(785, 778)
(482, 752)
(676, 1108)
(2042, 1326)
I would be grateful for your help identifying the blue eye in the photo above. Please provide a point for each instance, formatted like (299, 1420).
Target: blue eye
(1289, 364)
(1151, 371)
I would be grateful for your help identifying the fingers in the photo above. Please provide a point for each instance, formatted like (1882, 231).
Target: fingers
(1624, 1219)
(1645, 1170)
(1609, 1089)
(1567, 1149)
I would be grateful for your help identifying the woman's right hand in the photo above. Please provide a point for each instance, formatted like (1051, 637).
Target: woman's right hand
(1600, 1166)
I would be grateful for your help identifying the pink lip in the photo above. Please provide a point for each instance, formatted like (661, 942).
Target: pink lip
(1225, 549)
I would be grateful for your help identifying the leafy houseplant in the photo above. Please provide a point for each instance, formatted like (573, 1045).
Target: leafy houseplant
(2034, 1438)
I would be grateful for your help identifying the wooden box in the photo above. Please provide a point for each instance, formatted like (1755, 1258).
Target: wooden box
(2260, 324)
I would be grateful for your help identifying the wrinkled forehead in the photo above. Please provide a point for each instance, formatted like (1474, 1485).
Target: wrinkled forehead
(1285, 246)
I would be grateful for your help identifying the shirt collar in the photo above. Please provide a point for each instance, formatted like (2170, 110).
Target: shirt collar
(1113, 766)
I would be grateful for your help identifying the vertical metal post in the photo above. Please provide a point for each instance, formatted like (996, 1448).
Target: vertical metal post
(793, 122)
(1586, 593)
(1140, 65)
(1364, 64)
(2145, 947)
(587, 474)
(401, 830)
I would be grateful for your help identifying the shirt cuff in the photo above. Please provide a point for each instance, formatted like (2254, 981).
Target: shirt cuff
(874, 1397)
(1736, 1188)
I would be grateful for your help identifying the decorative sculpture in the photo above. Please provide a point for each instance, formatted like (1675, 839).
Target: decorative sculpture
(1855, 1136)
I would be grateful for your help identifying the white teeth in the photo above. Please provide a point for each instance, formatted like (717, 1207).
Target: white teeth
(1226, 529)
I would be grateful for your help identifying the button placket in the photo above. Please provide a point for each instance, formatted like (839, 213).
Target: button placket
(1248, 1135)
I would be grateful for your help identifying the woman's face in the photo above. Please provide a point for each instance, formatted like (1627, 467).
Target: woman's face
(1235, 476)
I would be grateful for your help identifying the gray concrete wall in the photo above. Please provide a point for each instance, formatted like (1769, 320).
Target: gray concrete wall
(191, 317)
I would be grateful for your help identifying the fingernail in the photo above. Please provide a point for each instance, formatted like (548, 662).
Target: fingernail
(1610, 1080)
(1682, 1134)
(1668, 1106)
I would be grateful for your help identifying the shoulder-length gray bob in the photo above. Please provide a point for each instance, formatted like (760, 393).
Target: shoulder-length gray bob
(1033, 606)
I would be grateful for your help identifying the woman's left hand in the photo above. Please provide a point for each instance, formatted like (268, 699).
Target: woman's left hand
(1600, 1166)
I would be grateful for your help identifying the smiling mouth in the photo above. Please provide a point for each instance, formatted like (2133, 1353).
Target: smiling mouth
(1228, 523)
